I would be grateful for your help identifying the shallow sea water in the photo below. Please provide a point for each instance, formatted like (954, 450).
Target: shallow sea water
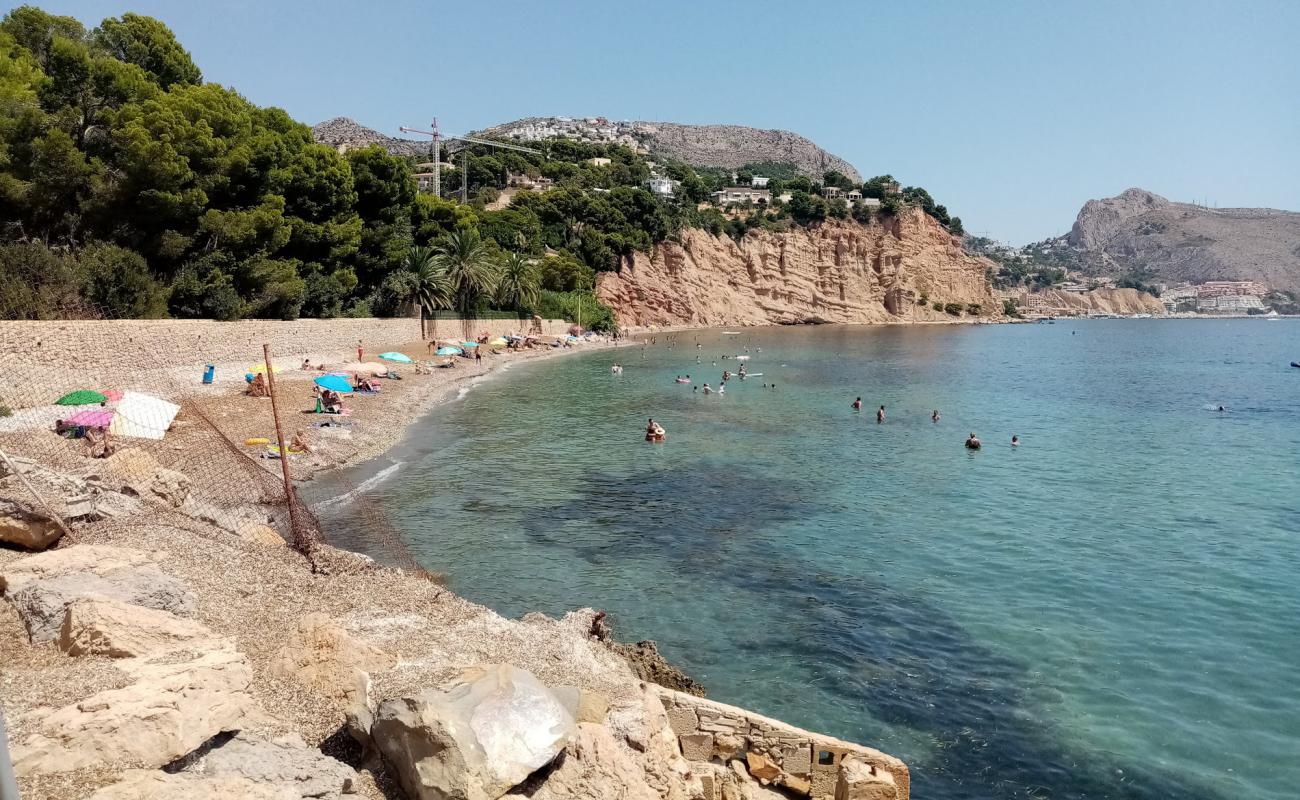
(1111, 610)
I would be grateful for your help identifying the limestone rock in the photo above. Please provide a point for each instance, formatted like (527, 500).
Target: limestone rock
(282, 762)
(858, 780)
(107, 627)
(134, 471)
(475, 737)
(42, 603)
(94, 558)
(143, 784)
(260, 533)
(25, 527)
(843, 272)
(322, 655)
(172, 708)
(594, 767)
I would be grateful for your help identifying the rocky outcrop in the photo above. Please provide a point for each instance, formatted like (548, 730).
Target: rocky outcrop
(286, 762)
(172, 707)
(42, 603)
(323, 656)
(1099, 301)
(27, 528)
(345, 134)
(474, 738)
(731, 146)
(1141, 232)
(102, 626)
(842, 272)
(142, 784)
(89, 558)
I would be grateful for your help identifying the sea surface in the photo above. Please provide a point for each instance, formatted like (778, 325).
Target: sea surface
(1109, 610)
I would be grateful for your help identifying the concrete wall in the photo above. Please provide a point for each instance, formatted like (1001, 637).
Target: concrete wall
(808, 763)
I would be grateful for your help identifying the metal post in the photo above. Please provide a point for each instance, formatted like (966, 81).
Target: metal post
(437, 162)
(8, 783)
(298, 543)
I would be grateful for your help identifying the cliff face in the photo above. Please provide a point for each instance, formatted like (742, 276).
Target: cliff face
(1102, 301)
(837, 272)
(1138, 231)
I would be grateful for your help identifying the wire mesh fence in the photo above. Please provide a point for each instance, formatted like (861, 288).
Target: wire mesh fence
(97, 421)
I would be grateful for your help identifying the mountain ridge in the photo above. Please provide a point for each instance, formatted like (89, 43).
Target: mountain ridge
(1141, 232)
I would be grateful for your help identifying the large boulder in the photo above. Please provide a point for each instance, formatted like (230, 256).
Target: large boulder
(323, 656)
(42, 604)
(283, 762)
(94, 558)
(143, 784)
(171, 708)
(595, 767)
(475, 737)
(106, 627)
(23, 526)
(135, 472)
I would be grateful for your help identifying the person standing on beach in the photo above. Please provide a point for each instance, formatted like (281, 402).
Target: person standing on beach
(880, 415)
(360, 352)
(478, 357)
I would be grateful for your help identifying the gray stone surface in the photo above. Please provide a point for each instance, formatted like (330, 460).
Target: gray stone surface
(283, 762)
(42, 603)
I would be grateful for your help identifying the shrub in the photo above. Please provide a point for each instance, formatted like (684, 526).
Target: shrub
(974, 309)
(923, 300)
(937, 306)
(4, 411)
(118, 282)
(1011, 308)
(953, 308)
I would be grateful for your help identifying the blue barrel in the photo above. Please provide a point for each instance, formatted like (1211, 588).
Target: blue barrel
(209, 372)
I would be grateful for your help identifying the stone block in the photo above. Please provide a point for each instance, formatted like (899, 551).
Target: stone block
(796, 759)
(858, 780)
(697, 746)
(727, 746)
(683, 720)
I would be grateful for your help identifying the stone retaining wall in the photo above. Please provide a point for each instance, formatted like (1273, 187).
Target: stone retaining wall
(805, 763)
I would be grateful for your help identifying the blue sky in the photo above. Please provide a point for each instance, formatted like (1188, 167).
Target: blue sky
(1010, 113)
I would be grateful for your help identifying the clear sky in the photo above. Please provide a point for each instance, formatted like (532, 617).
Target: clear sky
(1011, 113)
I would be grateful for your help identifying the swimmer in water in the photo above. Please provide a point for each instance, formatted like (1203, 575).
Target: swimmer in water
(934, 415)
(880, 414)
(1221, 408)
(1015, 441)
(972, 442)
(707, 390)
(857, 404)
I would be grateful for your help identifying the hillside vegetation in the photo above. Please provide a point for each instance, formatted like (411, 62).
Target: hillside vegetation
(131, 188)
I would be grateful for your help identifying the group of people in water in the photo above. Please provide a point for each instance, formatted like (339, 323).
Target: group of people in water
(972, 442)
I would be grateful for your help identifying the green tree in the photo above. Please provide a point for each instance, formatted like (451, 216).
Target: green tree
(469, 266)
(118, 284)
(150, 45)
(519, 283)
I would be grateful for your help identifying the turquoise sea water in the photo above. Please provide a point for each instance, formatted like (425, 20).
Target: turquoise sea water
(1111, 610)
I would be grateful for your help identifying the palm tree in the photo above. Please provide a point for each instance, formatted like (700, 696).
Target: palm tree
(429, 284)
(519, 284)
(469, 267)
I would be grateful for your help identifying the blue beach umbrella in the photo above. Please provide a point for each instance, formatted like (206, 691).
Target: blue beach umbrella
(449, 351)
(469, 345)
(396, 357)
(334, 383)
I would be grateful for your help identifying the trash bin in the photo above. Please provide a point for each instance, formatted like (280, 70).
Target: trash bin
(209, 372)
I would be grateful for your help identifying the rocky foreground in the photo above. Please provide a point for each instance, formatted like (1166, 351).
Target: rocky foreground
(158, 650)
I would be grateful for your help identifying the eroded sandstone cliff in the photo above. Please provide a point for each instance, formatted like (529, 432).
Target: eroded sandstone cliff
(1100, 301)
(835, 272)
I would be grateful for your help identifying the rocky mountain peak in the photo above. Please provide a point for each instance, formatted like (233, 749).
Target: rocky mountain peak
(1100, 220)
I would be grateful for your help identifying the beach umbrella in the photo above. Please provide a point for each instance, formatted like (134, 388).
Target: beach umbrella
(81, 397)
(143, 416)
(498, 342)
(396, 357)
(469, 345)
(449, 351)
(113, 395)
(334, 383)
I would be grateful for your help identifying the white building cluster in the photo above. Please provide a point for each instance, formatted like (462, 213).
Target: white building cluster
(1216, 297)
